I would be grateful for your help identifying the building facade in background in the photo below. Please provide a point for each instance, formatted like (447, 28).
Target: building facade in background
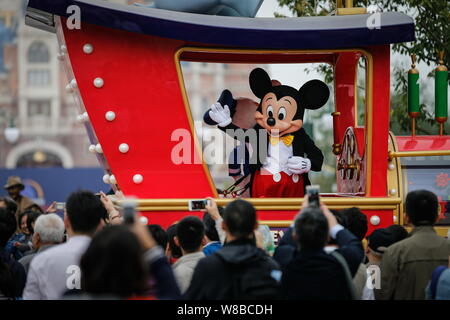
(33, 98)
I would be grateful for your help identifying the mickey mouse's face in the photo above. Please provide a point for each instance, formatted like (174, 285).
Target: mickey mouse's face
(277, 115)
(282, 107)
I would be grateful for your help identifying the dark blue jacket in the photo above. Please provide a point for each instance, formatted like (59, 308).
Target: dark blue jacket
(286, 249)
(17, 272)
(317, 275)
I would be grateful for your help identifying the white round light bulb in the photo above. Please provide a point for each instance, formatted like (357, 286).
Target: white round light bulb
(375, 220)
(92, 148)
(69, 88)
(98, 82)
(110, 115)
(88, 48)
(106, 178)
(124, 148)
(112, 179)
(138, 178)
(143, 220)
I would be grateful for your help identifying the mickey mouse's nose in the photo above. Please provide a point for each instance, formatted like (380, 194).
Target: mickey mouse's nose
(271, 121)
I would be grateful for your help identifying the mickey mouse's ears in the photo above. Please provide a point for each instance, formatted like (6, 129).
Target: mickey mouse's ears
(314, 94)
(260, 82)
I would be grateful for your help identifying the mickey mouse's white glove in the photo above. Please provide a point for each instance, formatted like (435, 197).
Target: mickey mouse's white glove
(299, 165)
(220, 114)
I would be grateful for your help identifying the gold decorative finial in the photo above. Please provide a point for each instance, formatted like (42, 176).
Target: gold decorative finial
(413, 64)
(348, 9)
(413, 58)
(441, 66)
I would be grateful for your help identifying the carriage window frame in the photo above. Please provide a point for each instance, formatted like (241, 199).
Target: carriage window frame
(368, 127)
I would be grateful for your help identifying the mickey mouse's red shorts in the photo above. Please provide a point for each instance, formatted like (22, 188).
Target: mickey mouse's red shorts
(279, 185)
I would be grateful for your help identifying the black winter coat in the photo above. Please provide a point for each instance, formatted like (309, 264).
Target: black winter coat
(317, 275)
(213, 276)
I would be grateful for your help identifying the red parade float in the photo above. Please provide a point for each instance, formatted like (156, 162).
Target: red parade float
(125, 66)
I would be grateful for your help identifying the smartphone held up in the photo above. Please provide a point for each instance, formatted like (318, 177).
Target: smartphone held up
(129, 211)
(197, 205)
(313, 192)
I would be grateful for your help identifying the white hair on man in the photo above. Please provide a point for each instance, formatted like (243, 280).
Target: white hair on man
(50, 228)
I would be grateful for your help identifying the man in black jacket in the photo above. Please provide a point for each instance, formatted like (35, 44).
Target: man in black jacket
(312, 273)
(239, 270)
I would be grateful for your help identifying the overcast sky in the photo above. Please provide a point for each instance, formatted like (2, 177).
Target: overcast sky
(295, 75)
(288, 74)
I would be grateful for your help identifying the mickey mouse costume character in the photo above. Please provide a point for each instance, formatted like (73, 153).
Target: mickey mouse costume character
(281, 171)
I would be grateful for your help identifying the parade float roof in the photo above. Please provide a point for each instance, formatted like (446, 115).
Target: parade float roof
(347, 31)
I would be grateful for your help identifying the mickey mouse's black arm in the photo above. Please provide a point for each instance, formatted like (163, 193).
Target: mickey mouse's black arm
(230, 130)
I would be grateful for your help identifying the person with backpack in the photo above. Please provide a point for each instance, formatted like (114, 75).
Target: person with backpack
(314, 274)
(240, 270)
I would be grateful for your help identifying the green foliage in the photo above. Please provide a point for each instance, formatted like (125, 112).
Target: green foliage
(401, 124)
(432, 19)
(325, 69)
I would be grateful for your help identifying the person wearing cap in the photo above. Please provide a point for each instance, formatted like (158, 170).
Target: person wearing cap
(14, 186)
(381, 239)
(377, 243)
(407, 266)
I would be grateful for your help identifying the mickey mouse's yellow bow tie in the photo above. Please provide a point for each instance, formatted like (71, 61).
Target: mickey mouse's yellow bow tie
(287, 140)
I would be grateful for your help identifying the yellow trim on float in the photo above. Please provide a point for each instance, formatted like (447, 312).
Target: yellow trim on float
(425, 153)
(267, 208)
(394, 179)
(273, 204)
(369, 123)
(276, 223)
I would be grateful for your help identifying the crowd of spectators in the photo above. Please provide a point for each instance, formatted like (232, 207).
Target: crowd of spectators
(91, 252)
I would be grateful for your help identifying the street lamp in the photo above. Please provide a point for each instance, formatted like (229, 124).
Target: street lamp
(12, 133)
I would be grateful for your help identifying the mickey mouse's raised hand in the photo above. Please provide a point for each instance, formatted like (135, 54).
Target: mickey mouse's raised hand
(299, 165)
(220, 114)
